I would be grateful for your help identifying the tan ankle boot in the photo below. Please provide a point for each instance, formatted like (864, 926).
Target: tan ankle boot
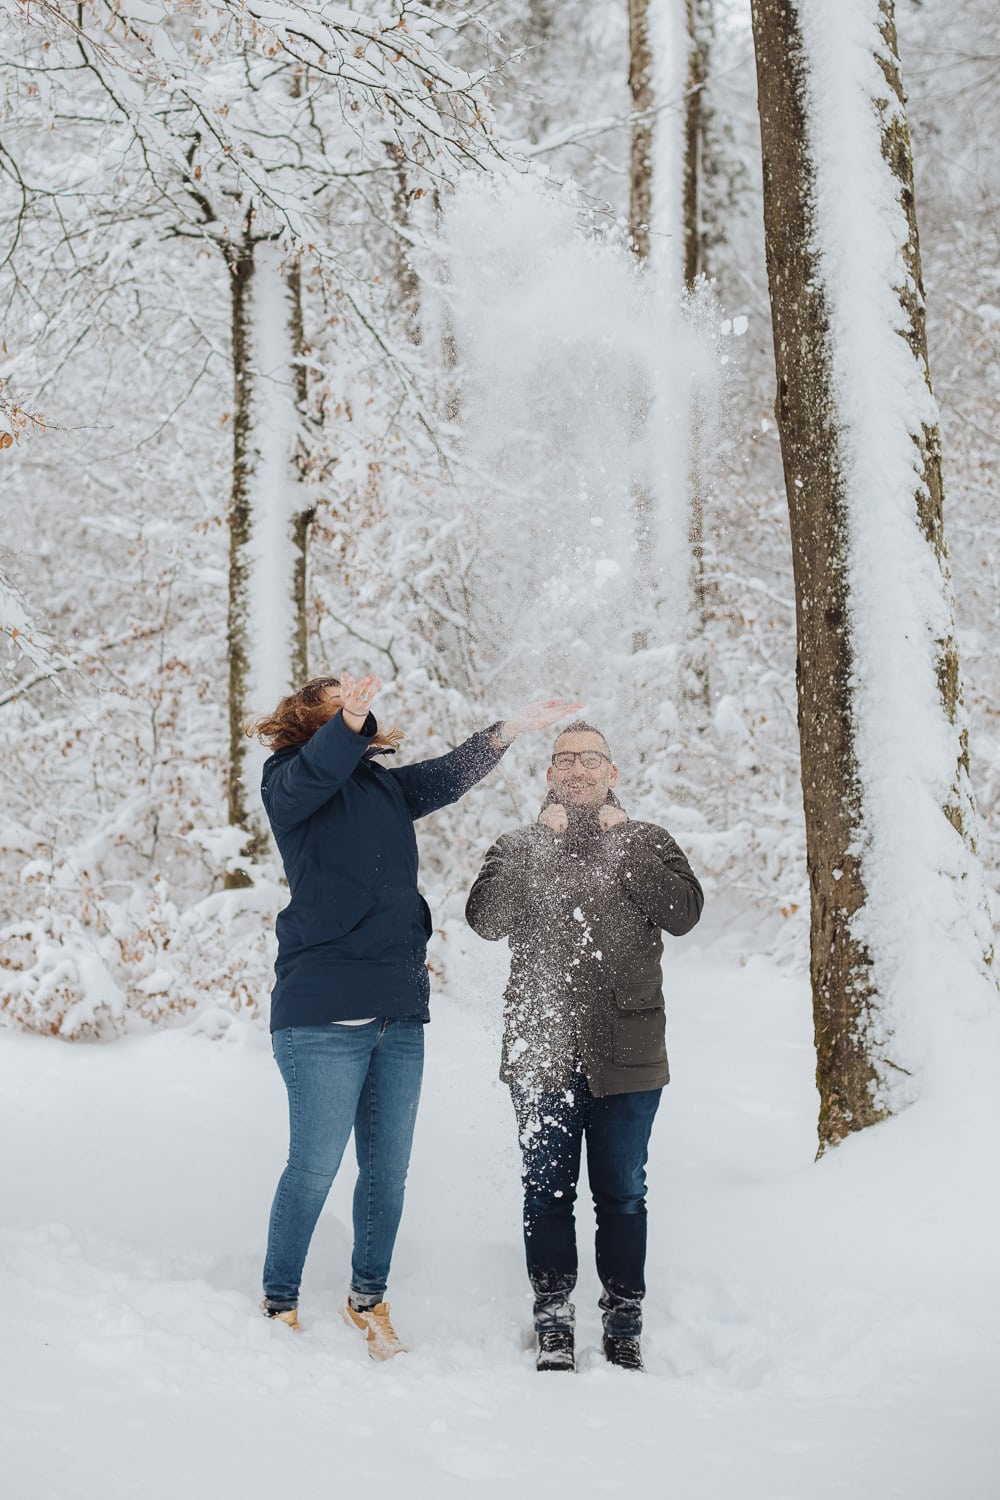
(290, 1317)
(383, 1340)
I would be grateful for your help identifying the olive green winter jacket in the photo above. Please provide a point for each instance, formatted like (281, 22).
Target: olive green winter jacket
(583, 912)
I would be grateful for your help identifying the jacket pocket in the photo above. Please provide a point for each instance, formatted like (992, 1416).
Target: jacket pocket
(643, 997)
(345, 912)
(638, 1029)
(322, 916)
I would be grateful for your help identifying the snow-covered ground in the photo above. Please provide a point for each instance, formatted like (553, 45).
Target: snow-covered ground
(812, 1330)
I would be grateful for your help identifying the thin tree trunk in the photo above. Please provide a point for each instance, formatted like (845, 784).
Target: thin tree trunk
(699, 31)
(268, 519)
(640, 82)
(666, 73)
(656, 193)
(855, 831)
(407, 280)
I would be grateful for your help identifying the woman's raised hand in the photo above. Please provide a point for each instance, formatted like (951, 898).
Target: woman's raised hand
(538, 714)
(356, 696)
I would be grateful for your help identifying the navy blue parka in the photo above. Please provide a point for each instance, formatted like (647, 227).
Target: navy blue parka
(352, 940)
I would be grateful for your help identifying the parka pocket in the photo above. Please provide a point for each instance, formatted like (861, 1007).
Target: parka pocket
(324, 918)
(347, 911)
(638, 1038)
(642, 997)
(638, 1027)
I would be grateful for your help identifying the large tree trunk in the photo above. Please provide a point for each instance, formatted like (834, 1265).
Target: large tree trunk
(268, 518)
(896, 891)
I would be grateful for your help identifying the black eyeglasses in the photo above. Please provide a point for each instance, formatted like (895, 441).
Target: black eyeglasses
(590, 760)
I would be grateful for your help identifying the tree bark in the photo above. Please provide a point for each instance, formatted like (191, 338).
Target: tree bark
(849, 851)
(805, 407)
(667, 69)
(640, 82)
(699, 32)
(268, 519)
(407, 280)
(655, 231)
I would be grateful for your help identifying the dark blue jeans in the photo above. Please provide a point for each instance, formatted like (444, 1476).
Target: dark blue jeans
(552, 1127)
(339, 1078)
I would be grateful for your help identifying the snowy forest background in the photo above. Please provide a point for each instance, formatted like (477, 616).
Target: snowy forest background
(521, 452)
(436, 341)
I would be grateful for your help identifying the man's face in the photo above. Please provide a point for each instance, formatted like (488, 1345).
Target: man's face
(575, 784)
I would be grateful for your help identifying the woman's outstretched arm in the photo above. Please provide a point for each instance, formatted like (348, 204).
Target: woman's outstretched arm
(430, 784)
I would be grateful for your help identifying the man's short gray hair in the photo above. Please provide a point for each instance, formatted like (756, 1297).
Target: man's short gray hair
(580, 726)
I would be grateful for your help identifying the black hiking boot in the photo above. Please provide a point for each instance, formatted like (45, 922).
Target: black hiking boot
(555, 1350)
(623, 1350)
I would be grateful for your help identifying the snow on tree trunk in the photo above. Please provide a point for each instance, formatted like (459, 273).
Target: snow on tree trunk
(659, 177)
(899, 921)
(666, 73)
(269, 518)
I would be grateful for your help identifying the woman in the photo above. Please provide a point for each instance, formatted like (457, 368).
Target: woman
(350, 999)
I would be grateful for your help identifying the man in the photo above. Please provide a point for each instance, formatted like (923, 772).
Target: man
(582, 896)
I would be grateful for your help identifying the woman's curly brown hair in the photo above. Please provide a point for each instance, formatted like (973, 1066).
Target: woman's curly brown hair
(297, 718)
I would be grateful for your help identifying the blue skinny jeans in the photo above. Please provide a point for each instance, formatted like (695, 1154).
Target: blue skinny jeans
(366, 1078)
(551, 1129)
